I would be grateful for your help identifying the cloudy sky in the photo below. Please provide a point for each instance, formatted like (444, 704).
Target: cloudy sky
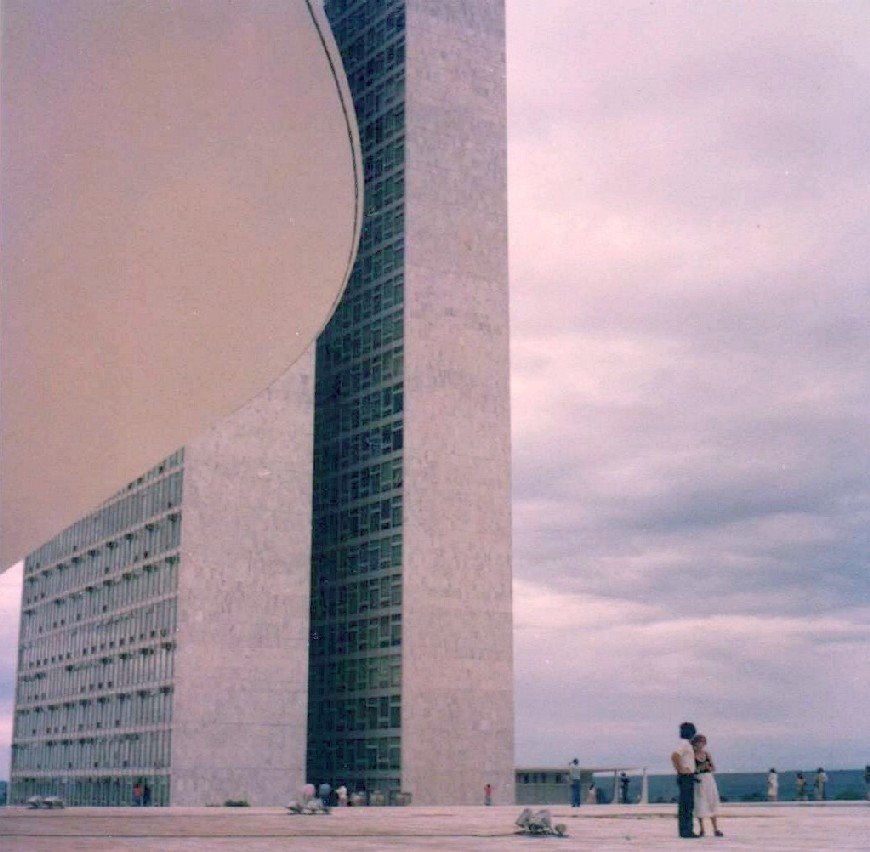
(10, 603)
(689, 195)
(689, 191)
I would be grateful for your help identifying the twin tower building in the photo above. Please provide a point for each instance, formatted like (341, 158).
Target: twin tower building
(319, 587)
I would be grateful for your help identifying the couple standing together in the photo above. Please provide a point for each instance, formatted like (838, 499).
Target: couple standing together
(699, 795)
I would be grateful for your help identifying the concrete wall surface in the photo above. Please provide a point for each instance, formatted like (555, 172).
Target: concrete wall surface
(239, 715)
(457, 712)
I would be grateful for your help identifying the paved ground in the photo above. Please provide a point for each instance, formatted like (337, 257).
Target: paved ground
(791, 827)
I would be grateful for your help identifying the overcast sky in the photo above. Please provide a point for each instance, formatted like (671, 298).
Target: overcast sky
(10, 608)
(689, 203)
(689, 197)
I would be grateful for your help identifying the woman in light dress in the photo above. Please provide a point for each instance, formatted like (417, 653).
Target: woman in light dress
(772, 785)
(819, 783)
(706, 792)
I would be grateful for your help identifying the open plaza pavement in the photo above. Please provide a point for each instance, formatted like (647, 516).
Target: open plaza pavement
(783, 826)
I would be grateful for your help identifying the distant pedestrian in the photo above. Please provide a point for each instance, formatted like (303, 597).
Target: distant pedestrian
(137, 794)
(146, 795)
(341, 793)
(323, 792)
(683, 760)
(706, 791)
(800, 787)
(487, 794)
(819, 784)
(575, 775)
(624, 781)
(592, 795)
(772, 785)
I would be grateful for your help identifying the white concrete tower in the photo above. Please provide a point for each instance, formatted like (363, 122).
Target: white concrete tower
(457, 724)
(411, 682)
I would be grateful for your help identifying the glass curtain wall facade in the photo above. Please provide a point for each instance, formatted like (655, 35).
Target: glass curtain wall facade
(355, 665)
(97, 648)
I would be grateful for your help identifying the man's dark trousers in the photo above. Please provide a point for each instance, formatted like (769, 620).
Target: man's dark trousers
(575, 794)
(686, 783)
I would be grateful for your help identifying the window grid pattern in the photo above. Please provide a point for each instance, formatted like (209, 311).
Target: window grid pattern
(97, 650)
(355, 672)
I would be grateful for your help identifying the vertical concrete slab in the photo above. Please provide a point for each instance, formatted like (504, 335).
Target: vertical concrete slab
(457, 712)
(239, 716)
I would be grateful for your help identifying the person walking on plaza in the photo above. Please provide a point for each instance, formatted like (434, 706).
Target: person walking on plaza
(819, 783)
(683, 760)
(575, 775)
(800, 787)
(772, 785)
(707, 791)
